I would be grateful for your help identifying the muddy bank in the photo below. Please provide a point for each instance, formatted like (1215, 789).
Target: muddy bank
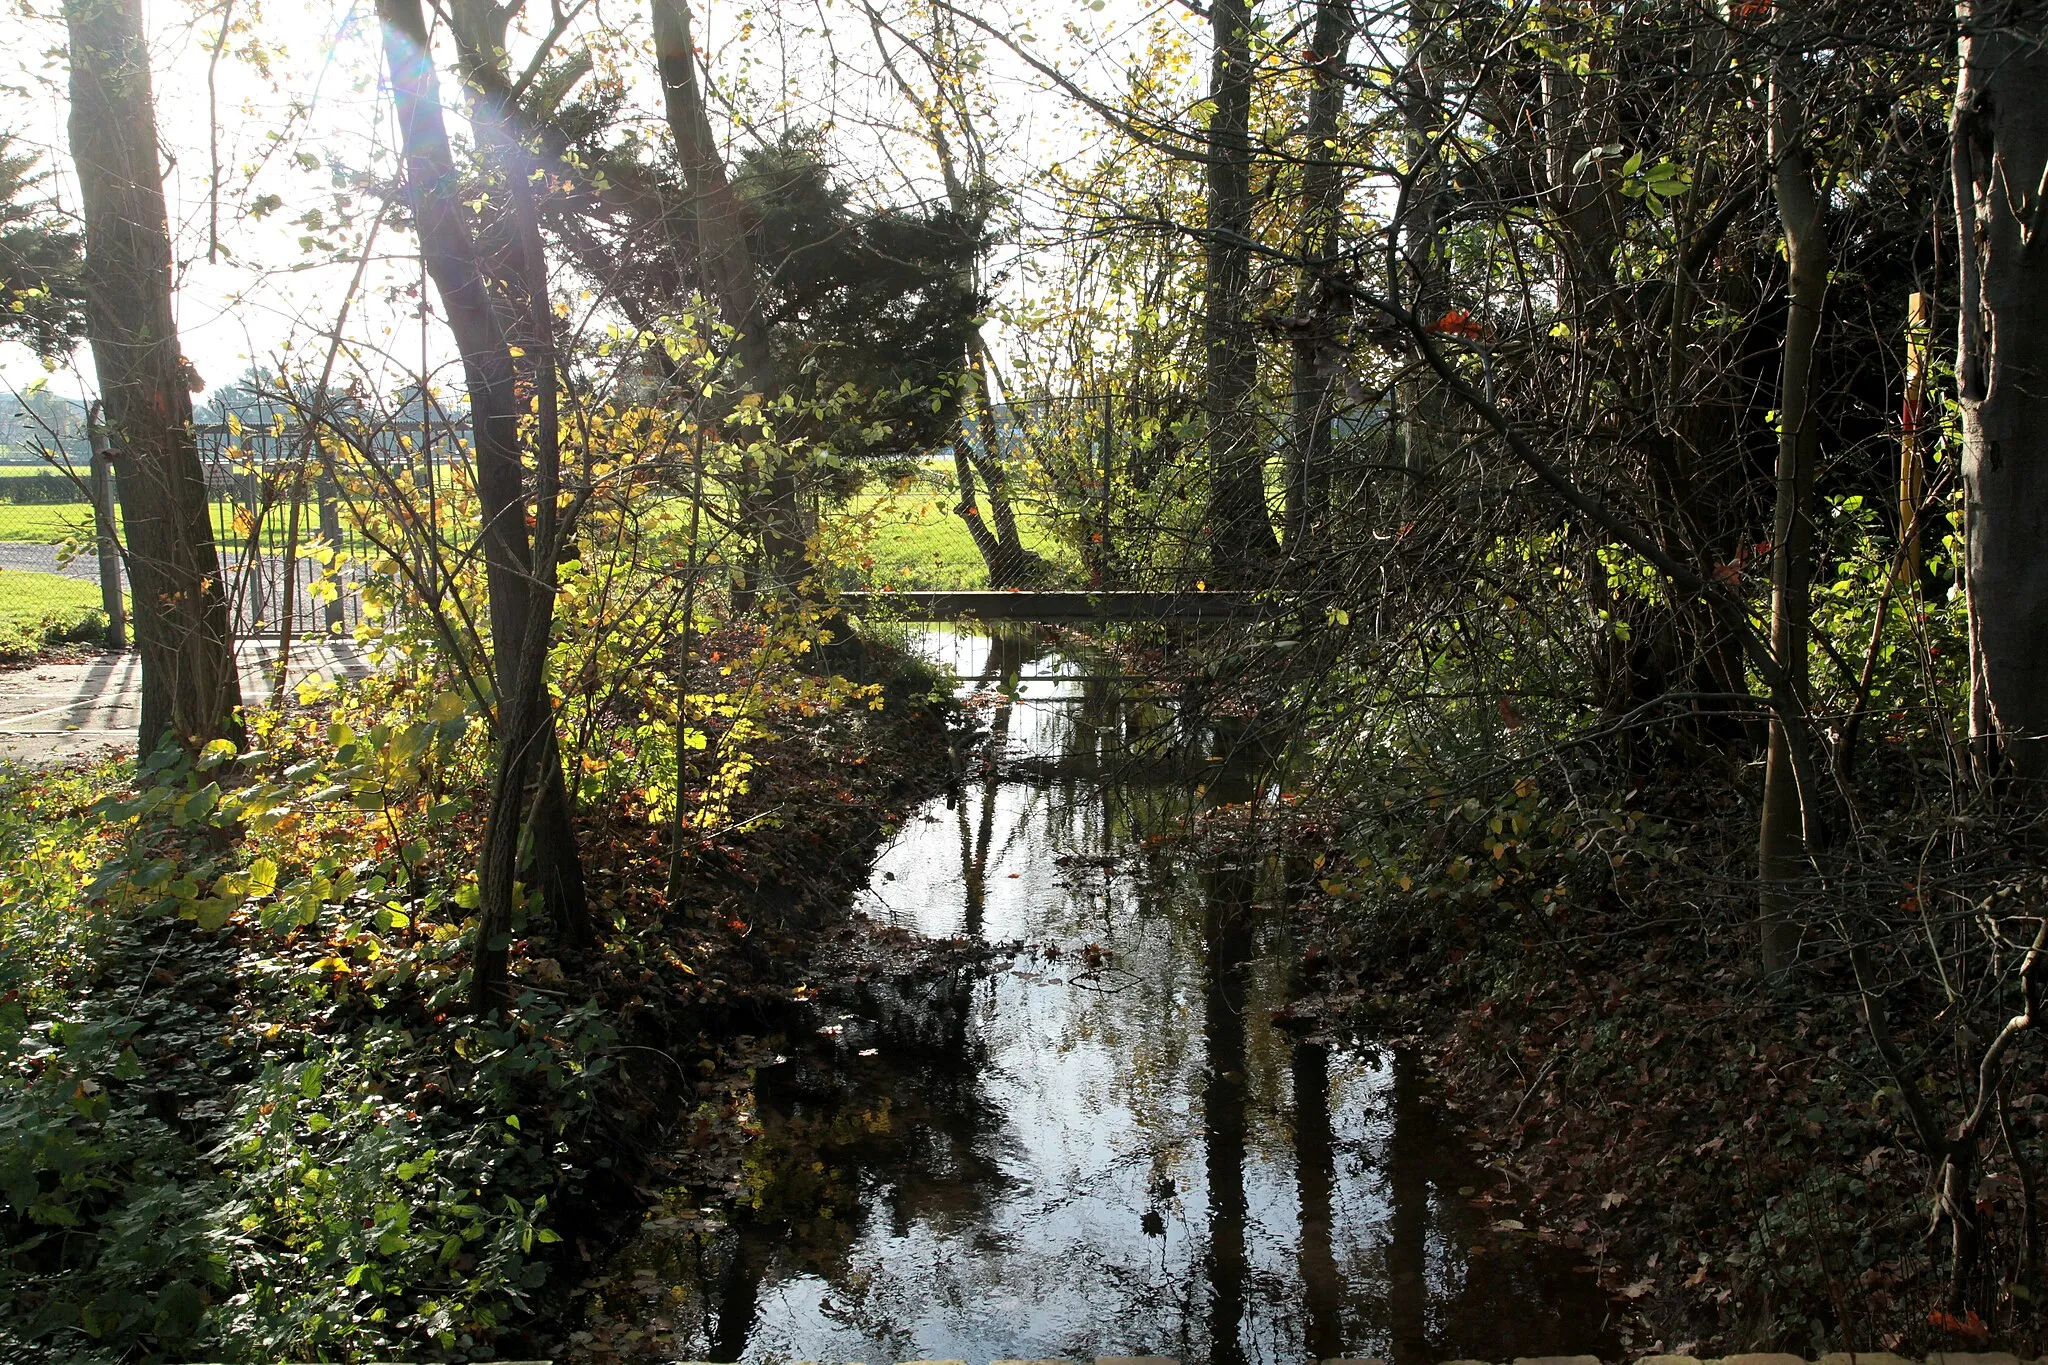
(691, 989)
(1723, 1153)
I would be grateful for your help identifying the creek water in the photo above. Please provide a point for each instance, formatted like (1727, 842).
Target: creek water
(1109, 1144)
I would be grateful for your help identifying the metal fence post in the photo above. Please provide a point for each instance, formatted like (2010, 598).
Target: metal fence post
(103, 526)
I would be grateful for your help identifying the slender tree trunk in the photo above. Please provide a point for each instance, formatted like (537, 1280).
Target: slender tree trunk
(190, 688)
(968, 509)
(1782, 842)
(1013, 563)
(719, 225)
(996, 538)
(1315, 340)
(519, 614)
(1241, 532)
(553, 862)
(2001, 185)
(1426, 412)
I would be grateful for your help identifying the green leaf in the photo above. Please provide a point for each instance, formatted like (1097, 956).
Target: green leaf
(262, 877)
(197, 805)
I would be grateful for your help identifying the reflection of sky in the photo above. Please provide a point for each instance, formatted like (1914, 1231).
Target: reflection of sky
(1099, 1086)
(1039, 1245)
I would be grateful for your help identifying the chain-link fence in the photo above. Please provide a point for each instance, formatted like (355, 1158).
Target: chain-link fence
(290, 553)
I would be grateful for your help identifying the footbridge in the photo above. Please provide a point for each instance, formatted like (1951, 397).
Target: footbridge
(1184, 607)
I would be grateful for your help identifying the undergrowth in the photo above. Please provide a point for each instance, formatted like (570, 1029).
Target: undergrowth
(248, 1118)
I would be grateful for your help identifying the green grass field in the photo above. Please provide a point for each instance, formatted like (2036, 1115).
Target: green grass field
(916, 542)
(38, 609)
(55, 523)
(48, 524)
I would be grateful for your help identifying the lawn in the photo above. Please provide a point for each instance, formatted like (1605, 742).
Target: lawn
(47, 523)
(916, 542)
(55, 523)
(910, 534)
(37, 609)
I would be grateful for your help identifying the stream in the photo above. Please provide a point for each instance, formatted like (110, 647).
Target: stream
(1107, 1144)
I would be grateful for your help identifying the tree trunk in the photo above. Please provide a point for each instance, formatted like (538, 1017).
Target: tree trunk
(520, 616)
(1426, 412)
(969, 510)
(1782, 842)
(1013, 564)
(2001, 182)
(1241, 533)
(1315, 340)
(554, 864)
(718, 222)
(190, 688)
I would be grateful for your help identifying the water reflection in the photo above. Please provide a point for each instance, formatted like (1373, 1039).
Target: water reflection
(1110, 1146)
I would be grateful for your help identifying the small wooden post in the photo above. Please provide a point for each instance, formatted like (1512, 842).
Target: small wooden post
(1108, 485)
(1912, 477)
(329, 494)
(103, 526)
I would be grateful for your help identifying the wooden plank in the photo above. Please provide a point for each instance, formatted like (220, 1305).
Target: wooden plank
(1056, 607)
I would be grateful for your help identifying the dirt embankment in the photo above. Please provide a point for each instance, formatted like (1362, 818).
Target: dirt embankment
(692, 988)
(1725, 1153)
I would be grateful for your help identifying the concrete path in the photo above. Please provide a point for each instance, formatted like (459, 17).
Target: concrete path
(56, 712)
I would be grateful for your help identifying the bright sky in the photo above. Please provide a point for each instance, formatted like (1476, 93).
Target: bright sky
(298, 109)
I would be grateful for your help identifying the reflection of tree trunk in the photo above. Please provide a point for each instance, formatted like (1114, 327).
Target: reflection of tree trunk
(739, 1295)
(1227, 897)
(1408, 1155)
(974, 848)
(1315, 1176)
(190, 687)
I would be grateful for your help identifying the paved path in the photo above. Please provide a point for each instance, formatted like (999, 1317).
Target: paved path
(22, 554)
(54, 712)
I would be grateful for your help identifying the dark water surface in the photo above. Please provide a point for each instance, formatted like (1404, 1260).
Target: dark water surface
(1110, 1146)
